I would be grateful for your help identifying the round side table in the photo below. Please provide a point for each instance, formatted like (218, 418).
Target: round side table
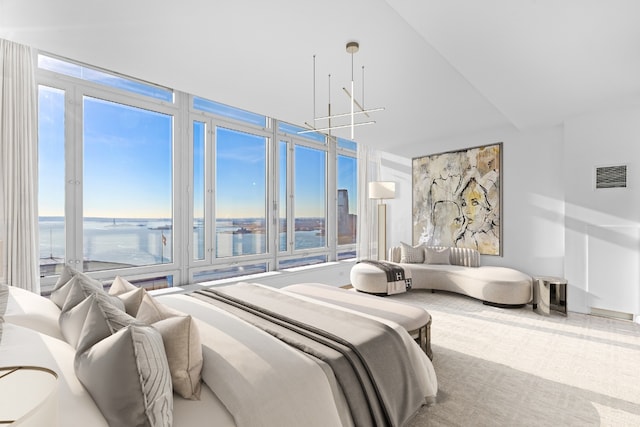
(549, 293)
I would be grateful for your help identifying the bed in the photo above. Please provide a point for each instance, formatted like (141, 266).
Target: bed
(232, 372)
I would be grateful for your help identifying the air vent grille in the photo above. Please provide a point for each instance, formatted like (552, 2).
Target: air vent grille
(611, 177)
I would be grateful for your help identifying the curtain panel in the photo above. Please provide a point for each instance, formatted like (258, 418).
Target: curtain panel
(367, 236)
(19, 259)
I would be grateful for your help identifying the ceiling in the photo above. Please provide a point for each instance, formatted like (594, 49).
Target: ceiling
(441, 68)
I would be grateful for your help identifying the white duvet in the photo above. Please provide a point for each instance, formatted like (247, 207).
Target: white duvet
(263, 382)
(260, 381)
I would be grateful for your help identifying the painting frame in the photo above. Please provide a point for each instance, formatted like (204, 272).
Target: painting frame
(457, 198)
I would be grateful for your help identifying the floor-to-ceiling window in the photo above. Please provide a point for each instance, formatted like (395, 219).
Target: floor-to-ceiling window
(106, 174)
(303, 188)
(51, 182)
(169, 188)
(126, 185)
(231, 157)
(240, 193)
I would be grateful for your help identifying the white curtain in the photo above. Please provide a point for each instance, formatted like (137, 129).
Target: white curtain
(18, 168)
(368, 171)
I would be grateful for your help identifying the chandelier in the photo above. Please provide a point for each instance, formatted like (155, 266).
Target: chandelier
(345, 120)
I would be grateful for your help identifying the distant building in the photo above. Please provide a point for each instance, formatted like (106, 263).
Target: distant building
(346, 221)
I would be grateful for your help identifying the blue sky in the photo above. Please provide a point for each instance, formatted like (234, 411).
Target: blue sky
(127, 166)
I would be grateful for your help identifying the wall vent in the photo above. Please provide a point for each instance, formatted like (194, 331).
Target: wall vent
(611, 177)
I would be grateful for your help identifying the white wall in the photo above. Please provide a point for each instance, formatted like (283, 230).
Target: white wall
(602, 226)
(554, 221)
(533, 197)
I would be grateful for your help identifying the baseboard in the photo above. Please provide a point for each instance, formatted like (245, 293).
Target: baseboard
(611, 313)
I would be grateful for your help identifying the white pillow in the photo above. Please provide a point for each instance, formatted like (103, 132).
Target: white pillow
(60, 291)
(437, 255)
(128, 377)
(24, 308)
(91, 320)
(411, 254)
(129, 294)
(80, 287)
(120, 286)
(182, 344)
(122, 363)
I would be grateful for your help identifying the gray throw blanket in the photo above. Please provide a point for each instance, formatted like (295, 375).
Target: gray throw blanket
(368, 357)
(397, 280)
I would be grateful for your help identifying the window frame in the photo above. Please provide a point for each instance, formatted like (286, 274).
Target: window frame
(346, 152)
(292, 253)
(75, 90)
(210, 260)
(183, 266)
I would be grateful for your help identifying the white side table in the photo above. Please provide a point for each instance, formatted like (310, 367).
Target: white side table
(549, 293)
(28, 396)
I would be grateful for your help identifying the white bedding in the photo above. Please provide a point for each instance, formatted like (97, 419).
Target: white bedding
(191, 413)
(250, 378)
(235, 350)
(25, 347)
(260, 380)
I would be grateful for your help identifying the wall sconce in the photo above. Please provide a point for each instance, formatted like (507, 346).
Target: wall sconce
(382, 190)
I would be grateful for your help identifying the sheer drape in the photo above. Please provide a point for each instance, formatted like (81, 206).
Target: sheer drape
(368, 170)
(18, 167)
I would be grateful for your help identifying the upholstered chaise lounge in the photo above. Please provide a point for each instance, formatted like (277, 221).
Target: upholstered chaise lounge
(448, 269)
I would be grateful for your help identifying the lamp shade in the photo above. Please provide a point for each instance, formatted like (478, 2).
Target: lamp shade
(28, 396)
(382, 190)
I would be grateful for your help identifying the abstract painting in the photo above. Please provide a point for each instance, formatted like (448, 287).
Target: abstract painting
(457, 199)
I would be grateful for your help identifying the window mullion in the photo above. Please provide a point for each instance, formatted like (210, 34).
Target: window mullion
(210, 176)
(74, 179)
(331, 231)
(291, 212)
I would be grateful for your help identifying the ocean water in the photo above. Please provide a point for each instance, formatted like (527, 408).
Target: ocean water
(140, 242)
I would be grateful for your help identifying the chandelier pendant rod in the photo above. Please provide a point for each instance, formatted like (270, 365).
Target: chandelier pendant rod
(352, 99)
(337, 116)
(336, 127)
(352, 47)
(352, 115)
(329, 106)
(314, 85)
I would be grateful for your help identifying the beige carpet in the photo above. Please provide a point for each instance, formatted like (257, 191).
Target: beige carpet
(513, 367)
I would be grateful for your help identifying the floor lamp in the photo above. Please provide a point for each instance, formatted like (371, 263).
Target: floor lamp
(381, 190)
